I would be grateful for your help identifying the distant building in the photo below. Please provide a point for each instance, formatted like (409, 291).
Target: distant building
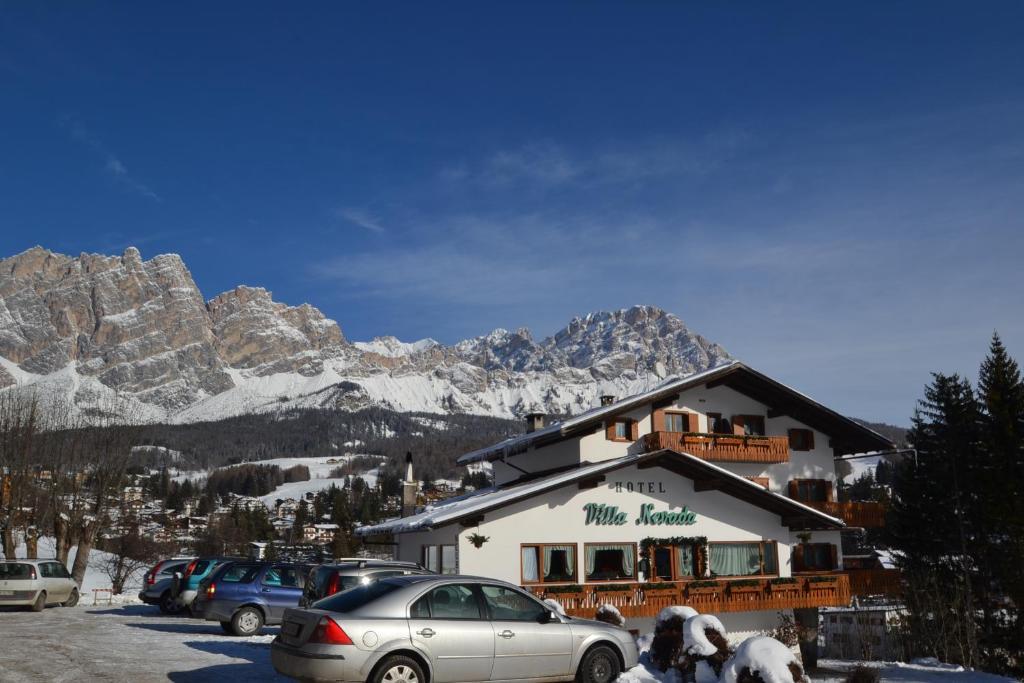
(319, 533)
(863, 633)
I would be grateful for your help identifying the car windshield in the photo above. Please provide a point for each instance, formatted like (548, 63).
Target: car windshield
(12, 570)
(354, 598)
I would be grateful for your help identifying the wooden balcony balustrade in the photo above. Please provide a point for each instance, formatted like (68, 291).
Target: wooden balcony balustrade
(710, 596)
(865, 515)
(722, 447)
(875, 581)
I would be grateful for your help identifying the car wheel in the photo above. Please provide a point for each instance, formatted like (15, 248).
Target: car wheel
(247, 622)
(40, 604)
(600, 665)
(399, 669)
(72, 599)
(167, 603)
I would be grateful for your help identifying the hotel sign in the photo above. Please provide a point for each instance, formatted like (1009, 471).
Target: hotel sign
(600, 514)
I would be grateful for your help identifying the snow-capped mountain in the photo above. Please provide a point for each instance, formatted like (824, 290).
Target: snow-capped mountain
(92, 327)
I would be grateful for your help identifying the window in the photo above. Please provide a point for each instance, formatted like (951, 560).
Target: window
(673, 562)
(718, 425)
(455, 601)
(810, 490)
(749, 425)
(240, 573)
(356, 597)
(814, 557)
(622, 429)
(610, 562)
(549, 563)
(441, 559)
(756, 558)
(14, 571)
(680, 422)
(505, 604)
(801, 439)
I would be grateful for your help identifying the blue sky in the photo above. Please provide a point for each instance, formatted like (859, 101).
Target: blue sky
(831, 191)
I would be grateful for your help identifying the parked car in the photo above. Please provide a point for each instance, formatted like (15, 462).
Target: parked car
(36, 584)
(245, 596)
(338, 575)
(185, 587)
(158, 583)
(419, 628)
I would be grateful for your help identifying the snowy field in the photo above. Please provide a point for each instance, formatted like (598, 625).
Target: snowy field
(126, 643)
(835, 671)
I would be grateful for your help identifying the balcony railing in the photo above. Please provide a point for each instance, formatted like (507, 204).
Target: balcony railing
(722, 447)
(712, 596)
(865, 515)
(874, 581)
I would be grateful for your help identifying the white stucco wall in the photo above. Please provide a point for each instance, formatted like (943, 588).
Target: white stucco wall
(558, 517)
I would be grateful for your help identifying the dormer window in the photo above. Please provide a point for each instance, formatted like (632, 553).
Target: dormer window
(622, 429)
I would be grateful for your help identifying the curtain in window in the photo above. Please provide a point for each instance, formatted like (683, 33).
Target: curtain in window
(530, 563)
(735, 559)
(556, 570)
(684, 559)
(625, 557)
(448, 563)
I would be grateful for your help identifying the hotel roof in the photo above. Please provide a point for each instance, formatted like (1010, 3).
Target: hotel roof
(848, 436)
(705, 475)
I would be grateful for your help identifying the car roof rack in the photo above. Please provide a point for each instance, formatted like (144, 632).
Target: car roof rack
(367, 561)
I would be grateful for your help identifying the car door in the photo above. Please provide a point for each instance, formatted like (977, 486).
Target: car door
(280, 588)
(56, 586)
(526, 643)
(62, 577)
(447, 624)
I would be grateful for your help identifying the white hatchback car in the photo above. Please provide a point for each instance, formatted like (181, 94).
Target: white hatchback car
(36, 584)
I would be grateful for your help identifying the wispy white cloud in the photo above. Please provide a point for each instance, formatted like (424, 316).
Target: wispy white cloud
(364, 219)
(114, 167)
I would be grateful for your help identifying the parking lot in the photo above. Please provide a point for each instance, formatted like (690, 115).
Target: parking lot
(126, 643)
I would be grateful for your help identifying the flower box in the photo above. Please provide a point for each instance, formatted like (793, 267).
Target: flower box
(745, 587)
(703, 588)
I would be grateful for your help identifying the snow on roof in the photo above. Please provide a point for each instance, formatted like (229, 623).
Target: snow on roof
(560, 427)
(481, 500)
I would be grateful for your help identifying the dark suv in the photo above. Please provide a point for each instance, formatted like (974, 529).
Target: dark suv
(245, 595)
(338, 575)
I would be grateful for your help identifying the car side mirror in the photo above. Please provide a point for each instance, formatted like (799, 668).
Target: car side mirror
(547, 617)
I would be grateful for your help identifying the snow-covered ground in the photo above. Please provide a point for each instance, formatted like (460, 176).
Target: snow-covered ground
(319, 476)
(131, 643)
(95, 577)
(835, 671)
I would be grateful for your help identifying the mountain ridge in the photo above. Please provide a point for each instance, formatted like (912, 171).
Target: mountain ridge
(95, 326)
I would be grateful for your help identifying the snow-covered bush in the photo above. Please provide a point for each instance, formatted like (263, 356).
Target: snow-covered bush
(863, 674)
(705, 646)
(761, 659)
(609, 614)
(667, 644)
(555, 605)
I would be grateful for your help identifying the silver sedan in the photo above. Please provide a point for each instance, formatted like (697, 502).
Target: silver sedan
(446, 629)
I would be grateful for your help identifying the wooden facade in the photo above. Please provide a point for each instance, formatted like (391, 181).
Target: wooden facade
(864, 515)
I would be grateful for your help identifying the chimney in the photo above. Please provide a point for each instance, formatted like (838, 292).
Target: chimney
(607, 400)
(534, 421)
(409, 487)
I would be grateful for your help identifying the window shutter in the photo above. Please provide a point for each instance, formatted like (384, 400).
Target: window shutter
(798, 557)
(738, 423)
(794, 439)
(793, 491)
(833, 557)
(810, 439)
(692, 425)
(634, 430)
(609, 430)
(658, 420)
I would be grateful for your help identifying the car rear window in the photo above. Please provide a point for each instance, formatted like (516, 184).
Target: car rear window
(171, 568)
(200, 567)
(240, 573)
(12, 570)
(354, 598)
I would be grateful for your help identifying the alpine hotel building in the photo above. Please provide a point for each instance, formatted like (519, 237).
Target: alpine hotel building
(716, 490)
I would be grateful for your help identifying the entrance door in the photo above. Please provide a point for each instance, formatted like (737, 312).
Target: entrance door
(524, 645)
(447, 625)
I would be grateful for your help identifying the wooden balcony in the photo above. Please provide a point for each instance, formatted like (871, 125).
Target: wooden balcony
(874, 581)
(722, 447)
(707, 597)
(865, 515)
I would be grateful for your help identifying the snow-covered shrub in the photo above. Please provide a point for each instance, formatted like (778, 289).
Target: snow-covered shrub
(609, 614)
(555, 605)
(667, 645)
(705, 645)
(761, 659)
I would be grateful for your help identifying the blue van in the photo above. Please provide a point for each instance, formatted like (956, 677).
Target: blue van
(246, 595)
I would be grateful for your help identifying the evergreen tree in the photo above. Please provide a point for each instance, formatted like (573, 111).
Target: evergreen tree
(1002, 396)
(930, 521)
(301, 519)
